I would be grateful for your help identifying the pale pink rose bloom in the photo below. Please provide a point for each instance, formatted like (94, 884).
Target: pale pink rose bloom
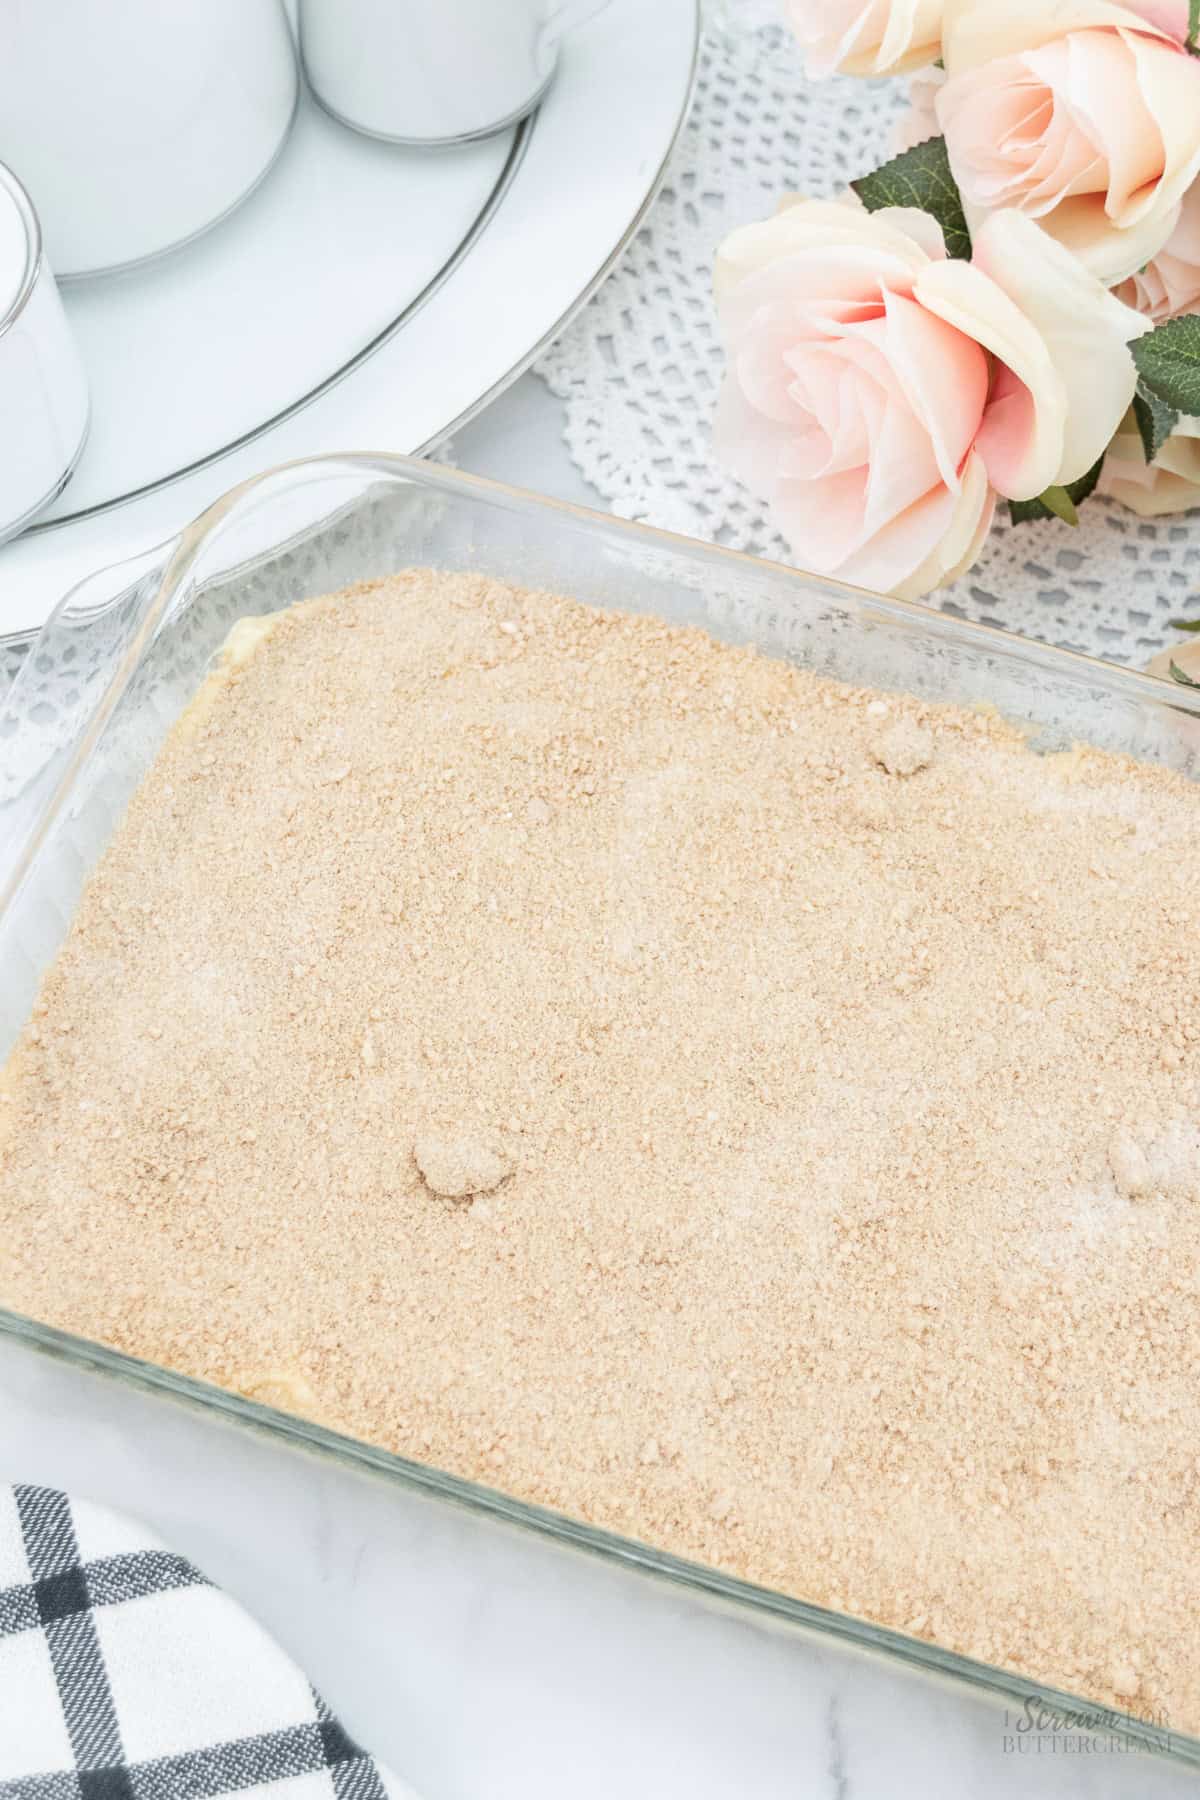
(847, 404)
(1169, 285)
(1170, 16)
(1170, 484)
(919, 122)
(1062, 374)
(1083, 114)
(866, 37)
(877, 393)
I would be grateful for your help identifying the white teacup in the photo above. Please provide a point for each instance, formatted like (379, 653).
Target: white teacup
(43, 391)
(135, 124)
(434, 71)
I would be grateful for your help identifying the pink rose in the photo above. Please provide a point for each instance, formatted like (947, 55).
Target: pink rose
(1170, 484)
(1085, 114)
(1170, 16)
(877, 392)
(919, 122)
(1169, 285)
(866, 37)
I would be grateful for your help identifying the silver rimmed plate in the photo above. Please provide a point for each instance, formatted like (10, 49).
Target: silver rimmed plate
(366, 297)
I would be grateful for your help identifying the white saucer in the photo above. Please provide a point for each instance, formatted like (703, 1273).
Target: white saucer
(366, 297)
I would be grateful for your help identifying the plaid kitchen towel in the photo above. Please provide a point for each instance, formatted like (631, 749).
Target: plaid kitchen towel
(124, 1675)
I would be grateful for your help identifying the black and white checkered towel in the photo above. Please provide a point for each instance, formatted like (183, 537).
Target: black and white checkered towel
(124, 1675)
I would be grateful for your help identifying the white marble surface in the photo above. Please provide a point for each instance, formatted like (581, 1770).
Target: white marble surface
(484, 1664)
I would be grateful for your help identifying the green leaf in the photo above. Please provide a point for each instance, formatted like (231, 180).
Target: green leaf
(1155, 419)
(1184, 624)
(1181, 675)
(920, 177)
(1057, 502)
(1193, 24)
(1168, 362)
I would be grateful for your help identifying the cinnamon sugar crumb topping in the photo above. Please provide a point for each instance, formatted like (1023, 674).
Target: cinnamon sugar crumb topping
(824, 1068)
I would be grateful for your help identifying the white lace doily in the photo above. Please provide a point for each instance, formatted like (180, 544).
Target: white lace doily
(639, 368)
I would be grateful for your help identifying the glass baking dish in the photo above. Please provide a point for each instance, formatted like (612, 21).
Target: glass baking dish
(126, 650)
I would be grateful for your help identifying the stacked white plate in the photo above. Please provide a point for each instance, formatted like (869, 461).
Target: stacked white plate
(366, 297)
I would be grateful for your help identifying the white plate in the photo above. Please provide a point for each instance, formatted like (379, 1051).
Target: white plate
(205, 349)
(367, 297)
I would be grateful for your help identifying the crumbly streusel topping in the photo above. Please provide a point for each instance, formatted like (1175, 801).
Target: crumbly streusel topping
(743, 1111)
